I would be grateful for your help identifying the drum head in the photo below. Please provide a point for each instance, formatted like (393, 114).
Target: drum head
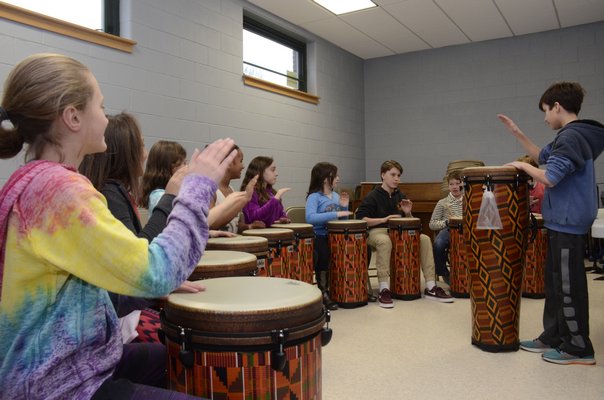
(246, 304)
(250, 244)
(409, 222)
(221, 263)
(272, 234)
(478, 174)
(353, 225)
(455, 222)
(300, 229)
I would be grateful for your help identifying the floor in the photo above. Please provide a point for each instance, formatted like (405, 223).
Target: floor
(422, 349)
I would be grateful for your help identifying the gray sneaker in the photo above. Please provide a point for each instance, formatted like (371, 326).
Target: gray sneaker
(535, 346)
(558, 356)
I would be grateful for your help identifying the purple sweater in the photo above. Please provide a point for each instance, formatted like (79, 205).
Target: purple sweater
(268, 212)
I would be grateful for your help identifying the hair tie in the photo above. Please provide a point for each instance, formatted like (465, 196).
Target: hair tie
(5, 121)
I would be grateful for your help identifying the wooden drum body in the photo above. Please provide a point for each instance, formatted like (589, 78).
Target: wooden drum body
(246, 338)
(301, 262)
(280, 245)
(496, 256)
(458, 260)
(404, 262)
(255, 245)
(348, 264)
(223, 263)
(533, 285)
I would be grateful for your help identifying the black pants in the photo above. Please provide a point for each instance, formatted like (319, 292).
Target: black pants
(566, 311)
(322, 253)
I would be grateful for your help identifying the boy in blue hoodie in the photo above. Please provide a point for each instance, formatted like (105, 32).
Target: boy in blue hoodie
(569, 208)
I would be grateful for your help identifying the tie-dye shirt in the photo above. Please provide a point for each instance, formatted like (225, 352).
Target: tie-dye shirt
(59, 336)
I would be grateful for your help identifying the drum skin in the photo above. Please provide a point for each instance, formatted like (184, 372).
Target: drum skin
(301, 261)
(348, 265)
(255, 245)
(459, 285)
(230, 339)
(281, 247)
(404, 261)
(496, 256)
(221, 263)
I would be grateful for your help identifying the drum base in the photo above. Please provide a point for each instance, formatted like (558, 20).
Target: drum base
(406, 297)
(496, 348)
(533, 295)
(351, 305)
(459, 295)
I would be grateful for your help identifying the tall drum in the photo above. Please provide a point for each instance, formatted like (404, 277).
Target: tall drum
(246, 338)
(281, 246)
(348, 275)
(301, 262)
(404, 262)
(223, 263)
(458, 260)
(496, 256)
(255, 245)
(533, 285)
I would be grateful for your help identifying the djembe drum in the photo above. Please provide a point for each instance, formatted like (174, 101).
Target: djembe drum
(458, 260)
(246, 338)
(404, 260)
(533, 285)
(301, 265)
(496, 256)
(255, 245)
(281, 246)
(348, 275)
(223, 263)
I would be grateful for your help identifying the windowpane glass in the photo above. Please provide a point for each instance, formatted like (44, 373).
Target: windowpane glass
(268, 60)
(88, 13)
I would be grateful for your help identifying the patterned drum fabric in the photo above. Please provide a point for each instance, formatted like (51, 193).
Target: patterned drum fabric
(458, 260)
(404, 261)
(496, 257)
(281, 247)
(221, 263)
(533, 285)
(348, 265)
(246, 338)
(255, 245)
(301, 262)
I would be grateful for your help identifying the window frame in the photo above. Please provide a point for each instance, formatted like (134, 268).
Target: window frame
(51, 24)
(259, 27)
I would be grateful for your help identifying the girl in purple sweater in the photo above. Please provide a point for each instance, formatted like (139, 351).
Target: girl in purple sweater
(265, 204)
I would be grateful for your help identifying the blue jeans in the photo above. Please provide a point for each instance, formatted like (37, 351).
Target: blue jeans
(441, 244)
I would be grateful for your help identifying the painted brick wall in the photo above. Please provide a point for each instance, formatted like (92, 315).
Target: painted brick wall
(428, 108)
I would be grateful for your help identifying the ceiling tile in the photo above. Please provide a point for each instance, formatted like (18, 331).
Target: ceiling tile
(529, 16)
(579, 12)
(428, 22)
(295, 11)
(383, 28)
(488, 25)
(343, 35)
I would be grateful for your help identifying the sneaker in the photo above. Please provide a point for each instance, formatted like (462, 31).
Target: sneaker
(534, 346)
(437, 293)
(372, 298)
(558, 356)
(385, 299)
(329, 304)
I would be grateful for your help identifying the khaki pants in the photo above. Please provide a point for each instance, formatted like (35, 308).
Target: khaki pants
(381, 245)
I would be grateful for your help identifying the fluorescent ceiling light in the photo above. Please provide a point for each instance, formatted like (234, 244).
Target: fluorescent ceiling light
(345, 6)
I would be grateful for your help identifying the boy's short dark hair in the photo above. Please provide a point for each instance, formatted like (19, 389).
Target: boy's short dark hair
(388, 165)
(454, 175)
(568, 94)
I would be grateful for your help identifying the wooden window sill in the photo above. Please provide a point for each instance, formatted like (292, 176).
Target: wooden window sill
(282, 90)
(31, 18)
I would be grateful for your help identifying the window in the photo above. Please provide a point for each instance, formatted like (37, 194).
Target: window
(96, 21)
(273, 56)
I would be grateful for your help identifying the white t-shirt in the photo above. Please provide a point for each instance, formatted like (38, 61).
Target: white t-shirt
(232, 225)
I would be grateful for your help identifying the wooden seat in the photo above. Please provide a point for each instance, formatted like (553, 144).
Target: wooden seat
(296, 214)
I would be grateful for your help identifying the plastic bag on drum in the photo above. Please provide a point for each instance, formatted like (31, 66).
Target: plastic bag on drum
(488, 216)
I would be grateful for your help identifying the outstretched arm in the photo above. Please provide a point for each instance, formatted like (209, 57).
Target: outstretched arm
(531, 148)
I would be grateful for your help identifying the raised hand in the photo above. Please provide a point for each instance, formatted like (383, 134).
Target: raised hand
(173, 185)
(214, 160)
(281, 192)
